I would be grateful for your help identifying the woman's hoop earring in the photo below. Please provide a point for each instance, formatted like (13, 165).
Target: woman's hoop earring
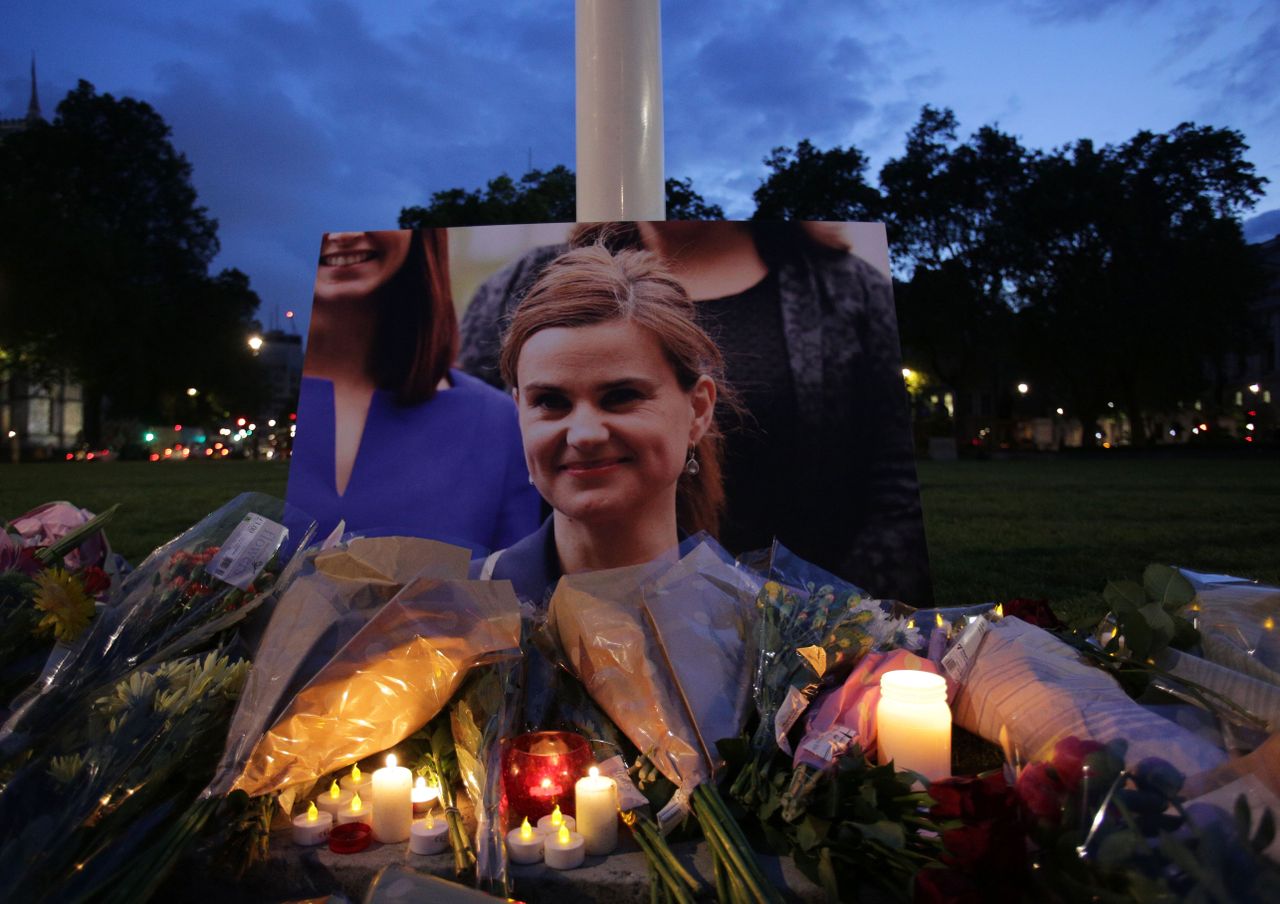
(691, 467)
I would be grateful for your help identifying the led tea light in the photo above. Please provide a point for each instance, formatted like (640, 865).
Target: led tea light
(356, 811)
(564, 849)
(524, 845)
(358, 782)
(429, 835)
(333, 800)
(913, 723)
(312, 827)
(552, 822)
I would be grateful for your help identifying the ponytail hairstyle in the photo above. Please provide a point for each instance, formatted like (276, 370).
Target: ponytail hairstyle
(592, 284)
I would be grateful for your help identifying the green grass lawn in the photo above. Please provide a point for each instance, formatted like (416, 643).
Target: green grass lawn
(1056, 528)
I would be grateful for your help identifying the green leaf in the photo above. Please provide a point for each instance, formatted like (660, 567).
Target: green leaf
(1242, 816)
(827, 875)
(1266, 831)
(1116, 849)
(1167, 587)
(810, 832)
(1124, 596)
(1161, 625)
(1138, 637)
(890, 834)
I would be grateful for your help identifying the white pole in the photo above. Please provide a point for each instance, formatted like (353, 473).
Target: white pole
(619, 110)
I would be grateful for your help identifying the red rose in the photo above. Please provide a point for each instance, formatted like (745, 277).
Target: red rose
(946, 886)
(1068, 760)
(971, 798)
(1041, 792)
(1034, 612)
(95, 580)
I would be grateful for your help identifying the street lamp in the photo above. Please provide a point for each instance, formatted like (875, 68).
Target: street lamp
(1023, 388)
(192, 391)
(255, 343)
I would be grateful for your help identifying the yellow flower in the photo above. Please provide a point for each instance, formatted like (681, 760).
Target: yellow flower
(61, 597)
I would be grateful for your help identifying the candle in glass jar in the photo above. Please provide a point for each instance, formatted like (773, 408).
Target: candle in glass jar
(424, 796)
(596, 806)
(552, 822)
(913, 723)
(333, 800)
(563, 849)
(356, 811)
(312, 827)
(428, 835)
(392, 802)
(524, 845)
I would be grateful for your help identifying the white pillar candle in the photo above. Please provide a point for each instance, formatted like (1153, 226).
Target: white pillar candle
(524, 845)
(358, 782)
(392, 802)
(333, 800)
(424, 796)
(428, 836)
(595, 801)
(312, 827)
(552, 821)
(356, 811)
(564, 849)
(913, 723)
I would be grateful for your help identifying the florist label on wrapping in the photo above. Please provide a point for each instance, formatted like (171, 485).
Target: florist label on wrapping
(247, 551)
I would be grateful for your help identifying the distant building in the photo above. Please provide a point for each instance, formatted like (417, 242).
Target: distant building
(38, 418)
(281, 357)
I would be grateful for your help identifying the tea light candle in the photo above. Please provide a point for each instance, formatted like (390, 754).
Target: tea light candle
(424, 796)
(392, 802)
(429, 835)
(358, 782)
(333, 800)
(596, 805)
(312, 827)
(524, 845)
(564, 849)
(552, 822)
(356, 811)
(913, 723)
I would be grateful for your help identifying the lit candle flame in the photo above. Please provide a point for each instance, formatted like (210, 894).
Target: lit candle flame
(430, 820)
(355, 773)
(334, 790)
(355, 803)
(546, 783)
(557, 818)
(593, 772)
(420, 784)
(911, 623)
(312, 813)
(999, 610)
(938, 616)
(1269, 624)
(391, 761)
(526, 830)
(563, 836)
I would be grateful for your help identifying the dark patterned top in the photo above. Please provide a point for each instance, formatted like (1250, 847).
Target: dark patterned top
(853, 479)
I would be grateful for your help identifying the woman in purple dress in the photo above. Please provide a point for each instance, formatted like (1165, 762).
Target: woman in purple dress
(391, 439)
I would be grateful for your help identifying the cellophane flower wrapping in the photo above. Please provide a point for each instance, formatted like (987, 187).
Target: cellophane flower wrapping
(662, 648)
(333, 596)
(170, 605)
(392, 677)
(484, 713)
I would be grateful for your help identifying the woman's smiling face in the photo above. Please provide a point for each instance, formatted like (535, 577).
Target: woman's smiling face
(606, 425)
(354, 264)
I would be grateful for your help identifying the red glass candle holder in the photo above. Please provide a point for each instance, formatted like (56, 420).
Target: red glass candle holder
(539, 770)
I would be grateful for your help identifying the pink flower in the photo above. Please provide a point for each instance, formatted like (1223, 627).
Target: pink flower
(44, 525)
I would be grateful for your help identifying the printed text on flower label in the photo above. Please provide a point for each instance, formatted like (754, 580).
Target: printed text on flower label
(248, 550)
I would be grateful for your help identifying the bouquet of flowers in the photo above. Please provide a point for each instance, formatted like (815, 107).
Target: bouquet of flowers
(51, 578)
(180, 599)
(660, 647)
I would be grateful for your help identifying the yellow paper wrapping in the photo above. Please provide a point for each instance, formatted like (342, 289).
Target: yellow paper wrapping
(390, 679)
(334, 595)
(656, 646)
